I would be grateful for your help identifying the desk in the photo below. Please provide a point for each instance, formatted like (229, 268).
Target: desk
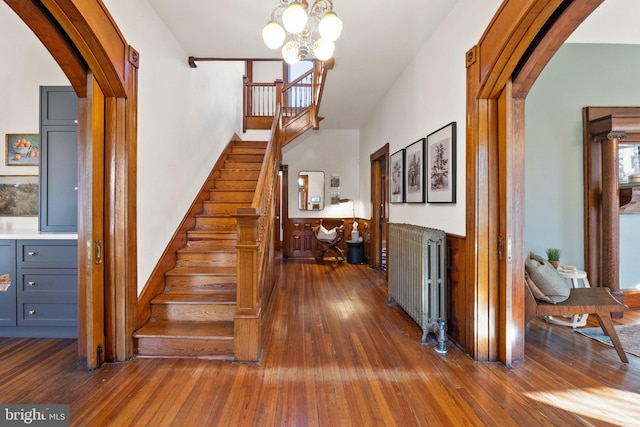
(355, 252)
(574, 276)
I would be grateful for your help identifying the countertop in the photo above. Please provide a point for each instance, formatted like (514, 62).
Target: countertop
(29, 234)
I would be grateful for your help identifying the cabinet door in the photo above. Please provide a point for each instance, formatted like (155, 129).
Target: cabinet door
(58, 106)
(58, 159)
(59, 178)
(8, 297)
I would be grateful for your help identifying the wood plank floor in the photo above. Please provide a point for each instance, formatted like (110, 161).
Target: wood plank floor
(336, 355)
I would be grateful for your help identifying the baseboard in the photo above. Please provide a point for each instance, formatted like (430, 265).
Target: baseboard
(631, 297)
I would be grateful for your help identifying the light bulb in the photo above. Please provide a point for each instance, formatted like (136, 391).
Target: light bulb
(330, 27)
(295, 18)
(290, 52)
(273, 35)
(323, 49)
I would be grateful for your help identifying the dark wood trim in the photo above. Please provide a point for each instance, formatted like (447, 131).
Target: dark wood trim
(301, 241)
(631, 297)
(507, 50)
(284, 207)
(601, 128)
(379, 219)
(458, 298)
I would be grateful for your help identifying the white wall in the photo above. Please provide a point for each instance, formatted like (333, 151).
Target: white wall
(185, 118)
(334, 152)
(26, 65)
(430, 93)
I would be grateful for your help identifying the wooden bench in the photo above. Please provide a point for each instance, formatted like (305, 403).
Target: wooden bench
(596, 301)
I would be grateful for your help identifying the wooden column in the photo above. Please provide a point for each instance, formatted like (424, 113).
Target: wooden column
(610, 212)
(247, 331)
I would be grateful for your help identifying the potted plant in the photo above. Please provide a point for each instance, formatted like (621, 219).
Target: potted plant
(553, 255)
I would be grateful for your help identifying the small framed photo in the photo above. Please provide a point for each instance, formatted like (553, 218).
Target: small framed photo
(414, 172)
(396, 183)
(19, 195)
(22, 149)
(441, 173)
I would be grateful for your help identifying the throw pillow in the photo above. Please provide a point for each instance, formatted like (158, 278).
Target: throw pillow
(547, 279)
(327, 235)
(535, 290)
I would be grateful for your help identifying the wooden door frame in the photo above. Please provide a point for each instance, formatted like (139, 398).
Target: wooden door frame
(517, 44)
(86, 43)
(376, 201)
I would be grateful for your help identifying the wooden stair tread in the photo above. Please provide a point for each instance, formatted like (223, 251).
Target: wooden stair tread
(186, 329)
(213, 271)
(226, 296)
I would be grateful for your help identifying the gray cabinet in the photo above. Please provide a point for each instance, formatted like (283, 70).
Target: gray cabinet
(8, 298)
(45, 289)
(59, 159)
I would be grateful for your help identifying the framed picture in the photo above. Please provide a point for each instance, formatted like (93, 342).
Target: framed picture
(441, 174)
(18, 195)
(414, 172)
(22, 149)
(396, 183)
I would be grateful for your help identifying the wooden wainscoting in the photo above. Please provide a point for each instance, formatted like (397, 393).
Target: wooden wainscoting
(458, 299)
(299, 241)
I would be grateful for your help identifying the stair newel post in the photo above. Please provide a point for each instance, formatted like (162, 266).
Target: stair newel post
(247, 331)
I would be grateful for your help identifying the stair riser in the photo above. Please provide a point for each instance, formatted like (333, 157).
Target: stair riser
(243, 161)
(208, 223)
(193, 312)
(235, 185)
(248, 150)
(208, 243)
(200, 283)
(239, 174)
(185, 347)
(213, 259)
(219, 208)
(231, 196)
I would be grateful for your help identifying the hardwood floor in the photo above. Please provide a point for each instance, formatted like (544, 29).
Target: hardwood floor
(336, 355)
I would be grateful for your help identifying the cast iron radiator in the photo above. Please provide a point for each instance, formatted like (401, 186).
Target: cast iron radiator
(417, 277)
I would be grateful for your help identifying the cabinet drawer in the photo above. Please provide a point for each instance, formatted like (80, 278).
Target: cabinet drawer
(50, 313)
(48, 282)
(47, 254)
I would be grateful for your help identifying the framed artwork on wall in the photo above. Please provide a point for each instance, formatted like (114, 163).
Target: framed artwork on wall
(414, 172)
(441, 173)
(396, 183)
(22, 149)
(19, 195)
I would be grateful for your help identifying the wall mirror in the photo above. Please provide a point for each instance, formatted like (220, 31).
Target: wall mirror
(310, 191)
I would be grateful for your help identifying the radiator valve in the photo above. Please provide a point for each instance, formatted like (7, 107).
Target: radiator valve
(441, 345)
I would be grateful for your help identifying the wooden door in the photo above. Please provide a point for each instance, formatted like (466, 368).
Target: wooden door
(379, 206)
(511, 227)
(91, 225)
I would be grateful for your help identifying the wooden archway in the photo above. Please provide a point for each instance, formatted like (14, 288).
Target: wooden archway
(84, 40)
(501, 68)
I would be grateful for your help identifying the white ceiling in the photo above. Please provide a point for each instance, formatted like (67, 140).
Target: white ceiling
(378, 41)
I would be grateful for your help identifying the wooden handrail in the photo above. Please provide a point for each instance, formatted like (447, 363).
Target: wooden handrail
(255, 250)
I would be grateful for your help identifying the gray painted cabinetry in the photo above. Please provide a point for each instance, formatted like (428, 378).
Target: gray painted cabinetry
(59, 159)
(44, 293)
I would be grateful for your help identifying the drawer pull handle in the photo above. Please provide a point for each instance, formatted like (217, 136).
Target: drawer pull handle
(32, 283)
(32, 312)
(32, 253)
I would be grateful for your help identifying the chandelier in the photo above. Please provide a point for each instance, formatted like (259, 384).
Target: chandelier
(303, 31)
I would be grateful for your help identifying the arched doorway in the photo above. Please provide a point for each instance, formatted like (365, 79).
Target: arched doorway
(102, 68)
(501, 69)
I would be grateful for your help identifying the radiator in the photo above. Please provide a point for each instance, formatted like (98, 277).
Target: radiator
(417, 277)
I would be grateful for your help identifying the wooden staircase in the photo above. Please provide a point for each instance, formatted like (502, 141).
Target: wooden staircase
(194, 316)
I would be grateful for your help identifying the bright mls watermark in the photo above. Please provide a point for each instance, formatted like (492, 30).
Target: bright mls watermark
(34, 415)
